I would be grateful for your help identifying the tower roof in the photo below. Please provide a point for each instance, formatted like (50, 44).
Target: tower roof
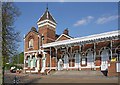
(47, 15)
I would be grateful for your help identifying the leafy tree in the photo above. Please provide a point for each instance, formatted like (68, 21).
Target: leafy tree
(21, 58)
(18, 59)
(10, 37)
(1, 43)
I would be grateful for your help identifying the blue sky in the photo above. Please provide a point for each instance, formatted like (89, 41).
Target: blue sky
(81, 18)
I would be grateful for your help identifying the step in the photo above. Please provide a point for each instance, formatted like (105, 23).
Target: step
(79, 73)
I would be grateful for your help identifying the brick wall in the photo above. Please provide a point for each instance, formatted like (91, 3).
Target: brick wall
(48, 33)
(35, 38)
(112, 69)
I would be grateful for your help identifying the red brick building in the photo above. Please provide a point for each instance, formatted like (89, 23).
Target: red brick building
(44, 50)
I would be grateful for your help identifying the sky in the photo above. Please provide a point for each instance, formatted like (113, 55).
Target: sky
(81, 18)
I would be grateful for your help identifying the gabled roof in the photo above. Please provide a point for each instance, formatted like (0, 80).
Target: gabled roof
(63, 35)
(33, 29)
(48, 16)
(56, 36)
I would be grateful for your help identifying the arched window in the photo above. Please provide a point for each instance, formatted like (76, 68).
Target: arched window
(65, 60)
(77, 59)
(90, 56)
(105, 55)
(30, 43)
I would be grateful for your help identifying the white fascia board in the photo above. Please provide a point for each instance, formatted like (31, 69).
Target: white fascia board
(46, 21)
(80, 39)
(63, 35)
(47, 24)
(31, 51)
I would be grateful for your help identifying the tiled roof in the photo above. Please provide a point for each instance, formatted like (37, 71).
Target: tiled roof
(33, 29)
(57, 36)
(48, 16)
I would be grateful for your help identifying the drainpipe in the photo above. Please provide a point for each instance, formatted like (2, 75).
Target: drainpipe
(50, 58)
(56, 58)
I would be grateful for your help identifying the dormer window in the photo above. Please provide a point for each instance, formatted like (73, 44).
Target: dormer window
(31, 43)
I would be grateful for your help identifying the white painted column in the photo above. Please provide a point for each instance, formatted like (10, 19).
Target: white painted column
(30, 62)
(111, 48)
(43, 63)
(80, 57)
(94, 55)
(68, 59)
(24, 60)
(72, 57)
(38, 63)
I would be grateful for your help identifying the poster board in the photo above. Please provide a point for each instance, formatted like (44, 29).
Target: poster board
(118, 67)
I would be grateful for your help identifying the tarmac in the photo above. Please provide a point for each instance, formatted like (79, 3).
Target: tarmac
(62, 77)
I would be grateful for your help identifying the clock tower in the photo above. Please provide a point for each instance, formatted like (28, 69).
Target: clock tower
(47, 27)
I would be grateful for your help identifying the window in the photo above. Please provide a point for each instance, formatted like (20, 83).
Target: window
(84, 61)
(31, 43)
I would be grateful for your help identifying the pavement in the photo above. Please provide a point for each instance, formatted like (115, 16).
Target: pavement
(21, 78)
(62, 77)
(77, 77)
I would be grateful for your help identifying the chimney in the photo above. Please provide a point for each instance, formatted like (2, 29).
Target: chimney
(66, 31)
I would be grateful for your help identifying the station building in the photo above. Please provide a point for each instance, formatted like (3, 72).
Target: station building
(44, 50)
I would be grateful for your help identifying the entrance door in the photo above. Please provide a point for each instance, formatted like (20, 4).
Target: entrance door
(66, 63)
(104, 59)
(60, 64)
(43, 65)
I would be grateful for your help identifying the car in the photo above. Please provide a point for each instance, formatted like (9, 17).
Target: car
(13, 69)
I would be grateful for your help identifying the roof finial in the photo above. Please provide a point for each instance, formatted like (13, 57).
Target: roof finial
(47, 7)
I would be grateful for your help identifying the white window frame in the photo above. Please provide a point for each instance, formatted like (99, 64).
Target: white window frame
(31, 43)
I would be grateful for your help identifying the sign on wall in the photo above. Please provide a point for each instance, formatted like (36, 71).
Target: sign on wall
(83, 61)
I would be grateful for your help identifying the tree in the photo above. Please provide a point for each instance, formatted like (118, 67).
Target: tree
(1, 44)
(10, 37)
(18, 59)
(21, 58)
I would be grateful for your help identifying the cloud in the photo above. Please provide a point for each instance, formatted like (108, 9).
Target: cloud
(61, 0)
(106, 19)
(84, 21)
